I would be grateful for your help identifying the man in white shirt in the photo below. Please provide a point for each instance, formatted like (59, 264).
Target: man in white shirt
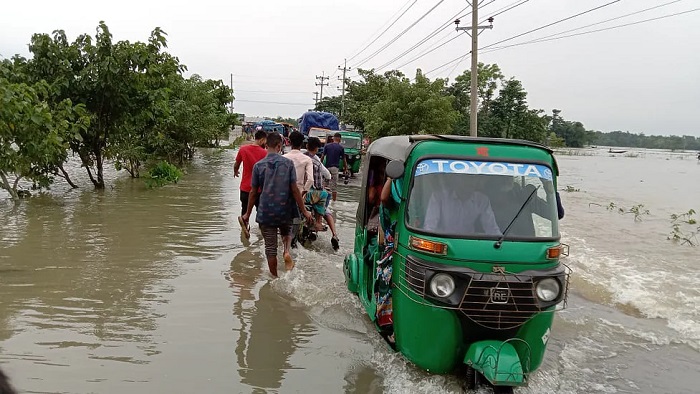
(302, 163)
(456, 208)
(318, 197)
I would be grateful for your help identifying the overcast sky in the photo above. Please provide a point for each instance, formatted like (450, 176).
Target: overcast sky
(641, 78)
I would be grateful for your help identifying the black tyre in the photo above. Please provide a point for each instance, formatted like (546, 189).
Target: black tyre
(472, 379)
(502, 390)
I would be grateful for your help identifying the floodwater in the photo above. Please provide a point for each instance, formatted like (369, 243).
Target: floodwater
(141, 291)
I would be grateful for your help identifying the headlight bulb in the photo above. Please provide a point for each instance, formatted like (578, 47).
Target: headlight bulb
(548, 289)
(442, 285)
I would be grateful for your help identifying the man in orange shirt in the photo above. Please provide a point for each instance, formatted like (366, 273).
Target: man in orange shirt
(248, 155)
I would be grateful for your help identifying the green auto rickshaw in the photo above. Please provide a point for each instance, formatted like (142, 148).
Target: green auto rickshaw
(457, 262)
(352, 142)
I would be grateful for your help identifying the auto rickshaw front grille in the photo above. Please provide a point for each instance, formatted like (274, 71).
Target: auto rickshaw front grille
(415, 276)
(500, 304)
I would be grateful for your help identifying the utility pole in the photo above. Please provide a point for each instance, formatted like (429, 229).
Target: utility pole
(231, 92)
(475, 31)
(345, 68)
(316, 98)
(322, 78)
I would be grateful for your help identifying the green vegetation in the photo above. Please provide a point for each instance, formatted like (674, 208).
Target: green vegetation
(162, 174)
(235, 143)
(573, 152)
(620, 138)
(34, 135)
(291, 121)
(390, 104)
(123, 102)
(684, 228)
(637, 210)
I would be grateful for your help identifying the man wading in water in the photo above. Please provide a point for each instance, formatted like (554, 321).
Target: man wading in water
(334, 153)
(276, 177)
(248, 155)
(317, 197)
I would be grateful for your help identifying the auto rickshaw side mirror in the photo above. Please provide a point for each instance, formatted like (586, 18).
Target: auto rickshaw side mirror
(395, 169)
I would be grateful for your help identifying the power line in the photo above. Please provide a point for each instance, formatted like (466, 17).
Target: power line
(322, 78)
(506, 9)
(457, 65)
(431, 50)
(269, 85)
(553, 23)
(271, 102)
(568, 36)
(595, 31)
(428, 37)
(609, 20)
(448, 63)
(461, 59)
(498, 12)
(385, 30)
(527, 32)
(378, 51)
(263, 77)
(270, 91)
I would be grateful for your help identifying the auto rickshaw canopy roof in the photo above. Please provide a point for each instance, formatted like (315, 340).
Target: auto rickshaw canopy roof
(400, 146)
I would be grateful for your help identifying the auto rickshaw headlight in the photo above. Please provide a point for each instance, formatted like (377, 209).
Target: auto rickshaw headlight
(548, 289)
(442, 285)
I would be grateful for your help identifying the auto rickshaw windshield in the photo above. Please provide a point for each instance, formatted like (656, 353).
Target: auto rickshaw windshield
(350, 143)
(464, 199)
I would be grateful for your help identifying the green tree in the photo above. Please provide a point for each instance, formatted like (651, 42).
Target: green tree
(406, 107)
(151, 79)
(489, 81)
(329, 104)
(627, 139)
(292, 121)
(195, 116)
(574, 133)
(510, 116)
(100, 75)
(33, 134)
(363, 95)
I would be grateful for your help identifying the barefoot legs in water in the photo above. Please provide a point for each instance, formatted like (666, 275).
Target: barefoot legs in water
(331, 225)
(288, 262)
(272, 265)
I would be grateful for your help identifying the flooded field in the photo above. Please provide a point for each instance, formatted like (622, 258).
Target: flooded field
(136, 290)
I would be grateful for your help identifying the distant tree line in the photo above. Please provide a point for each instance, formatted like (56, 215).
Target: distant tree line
(627, 139)
(122, 103)
(392, 104)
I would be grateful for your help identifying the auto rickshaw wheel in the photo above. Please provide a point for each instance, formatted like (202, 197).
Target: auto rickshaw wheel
(502, 390)
(472, 378)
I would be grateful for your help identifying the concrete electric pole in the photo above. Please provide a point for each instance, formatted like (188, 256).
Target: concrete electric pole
(475, 31)
(231, 92)
(316, 98)
(322, 78)
(345, 69)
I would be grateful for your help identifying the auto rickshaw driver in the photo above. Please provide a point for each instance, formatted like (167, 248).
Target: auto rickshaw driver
(459, 207)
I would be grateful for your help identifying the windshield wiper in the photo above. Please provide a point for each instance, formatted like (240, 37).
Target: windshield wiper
(498, 243)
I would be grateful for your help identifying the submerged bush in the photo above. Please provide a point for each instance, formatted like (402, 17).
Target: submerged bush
(684, 228)
(637, 210)
(162, 174)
